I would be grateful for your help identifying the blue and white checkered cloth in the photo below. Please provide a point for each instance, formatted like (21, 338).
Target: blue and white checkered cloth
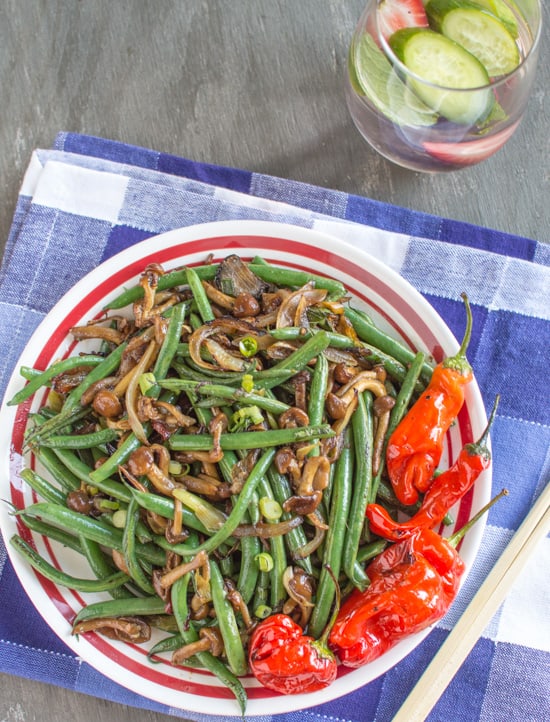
(89, 198)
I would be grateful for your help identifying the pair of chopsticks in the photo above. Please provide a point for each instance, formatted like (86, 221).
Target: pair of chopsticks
(477, 615)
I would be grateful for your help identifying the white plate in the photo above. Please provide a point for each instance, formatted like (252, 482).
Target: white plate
(394, 304)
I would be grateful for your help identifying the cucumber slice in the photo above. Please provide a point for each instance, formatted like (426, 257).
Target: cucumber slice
(477, 30)
(503, 13)
(456, 82)
(371, 74)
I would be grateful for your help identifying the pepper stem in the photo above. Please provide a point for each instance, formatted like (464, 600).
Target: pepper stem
(329, 625)
(459, 362)
(483, 438)
(469, 323)
(454, 539)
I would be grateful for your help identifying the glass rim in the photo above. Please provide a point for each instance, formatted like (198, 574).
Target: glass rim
(392, 57)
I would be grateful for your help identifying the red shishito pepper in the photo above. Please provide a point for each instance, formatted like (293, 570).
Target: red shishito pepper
(412, 586)
(286, 660)
(444, 492)
(414, 448)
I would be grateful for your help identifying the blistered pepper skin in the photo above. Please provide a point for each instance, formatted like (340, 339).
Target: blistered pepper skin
(444, 492)
(412, 586)
(415, 447)
(285, 660)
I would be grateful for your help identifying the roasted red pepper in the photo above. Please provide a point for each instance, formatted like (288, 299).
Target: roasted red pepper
(414, 448)
(444, 492)
(412, 585)
(286, 660)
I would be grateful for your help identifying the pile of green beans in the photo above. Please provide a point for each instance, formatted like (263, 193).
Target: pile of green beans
(234, 554)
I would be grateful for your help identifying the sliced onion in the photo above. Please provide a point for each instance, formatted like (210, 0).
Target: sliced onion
(296, 304)
(223, 325)
(131, 395)
(112, 335)
(223, 358)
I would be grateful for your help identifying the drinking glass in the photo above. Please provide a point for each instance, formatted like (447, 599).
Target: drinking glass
(420, 122)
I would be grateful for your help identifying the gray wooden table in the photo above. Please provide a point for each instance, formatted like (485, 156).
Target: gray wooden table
(256, 84)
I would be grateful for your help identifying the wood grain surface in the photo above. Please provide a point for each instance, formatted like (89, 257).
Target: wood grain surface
(256, 84)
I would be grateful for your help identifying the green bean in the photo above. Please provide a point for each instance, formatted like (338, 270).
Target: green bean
(402, 402)
(208, 402)
(168, 644)
(334, 540)
(43, 488)
(292, 277)
(61, 578)
(55, 369)
(129, 549)
(55, 423)
(84, 473)
(72, 462)
(226, 563)
(369, 551)
(239, 509)
(168, 280)
(248, 569)
(120, 457)
(406, 391)
(60, 473)
(277, 547)
(362, 434)
(238, 395)
(190, 371)
(101, 567)
(295, 539)
(103, 369)
(94, 529)
(360, 313)
(28, 373)
(298, 359)
(189, 635)
(373, 335)
(227, 622)
(135, 607)
(185, 548)
(164, 506)
(199, 294)
(261, 594)
(265, 378)
(169, 347)
(249, 546)
(250, 439)
(297, 333)
(67, 539)
(394, 368)
(80, 441)
(317, 394)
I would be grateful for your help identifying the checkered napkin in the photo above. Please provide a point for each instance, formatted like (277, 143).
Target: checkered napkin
(89, 198)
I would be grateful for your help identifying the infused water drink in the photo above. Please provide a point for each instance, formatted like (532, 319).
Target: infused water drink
(437, 85)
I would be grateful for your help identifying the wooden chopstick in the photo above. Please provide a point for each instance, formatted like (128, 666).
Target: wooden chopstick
(477, 615)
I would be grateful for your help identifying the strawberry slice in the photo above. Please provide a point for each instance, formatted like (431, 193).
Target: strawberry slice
(394, 15)
(469, 152)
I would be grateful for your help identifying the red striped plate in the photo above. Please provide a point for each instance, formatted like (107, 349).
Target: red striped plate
(394, 304)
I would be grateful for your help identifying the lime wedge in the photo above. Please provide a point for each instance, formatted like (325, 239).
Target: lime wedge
(371, 74)
(478, 31)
